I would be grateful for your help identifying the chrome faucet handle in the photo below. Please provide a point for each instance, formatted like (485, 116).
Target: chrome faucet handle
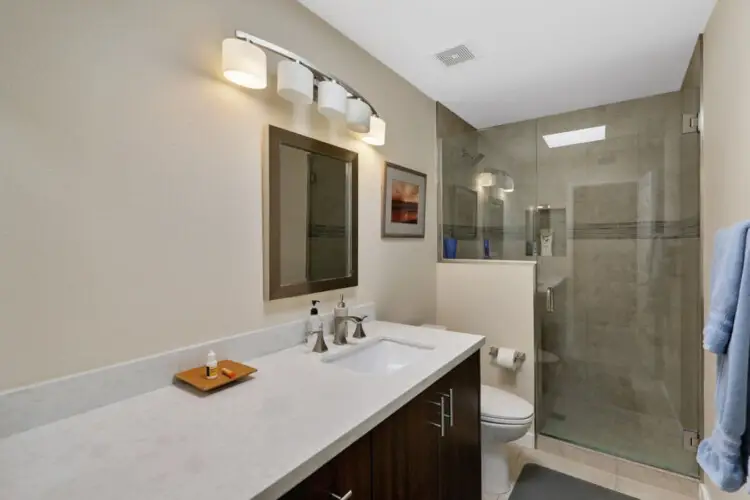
(359, 331)
(356, 319)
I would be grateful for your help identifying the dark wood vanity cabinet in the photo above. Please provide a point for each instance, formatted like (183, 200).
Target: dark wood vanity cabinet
(415, 454)
(460, 449)
(348, 474)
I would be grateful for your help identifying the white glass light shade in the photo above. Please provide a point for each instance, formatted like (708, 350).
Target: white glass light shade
(508, 185)
(295, 82)
(358, 116)
(486, 179)
(376, 135)
(244, 64)
(332, 100)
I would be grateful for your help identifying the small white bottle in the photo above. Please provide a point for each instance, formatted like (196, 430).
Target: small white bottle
(212, 367)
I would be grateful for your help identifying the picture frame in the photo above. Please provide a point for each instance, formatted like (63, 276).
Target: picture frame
(404, 202)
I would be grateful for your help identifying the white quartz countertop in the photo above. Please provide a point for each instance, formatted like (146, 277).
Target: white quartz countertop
(254, 440)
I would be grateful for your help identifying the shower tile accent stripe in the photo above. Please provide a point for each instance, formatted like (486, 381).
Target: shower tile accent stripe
(680, 229)
(689, 228)
(326, 231)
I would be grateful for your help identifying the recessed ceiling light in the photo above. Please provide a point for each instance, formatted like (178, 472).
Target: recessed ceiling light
(581, 136)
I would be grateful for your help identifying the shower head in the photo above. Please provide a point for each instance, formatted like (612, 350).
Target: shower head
(476, 159)
(473, 159)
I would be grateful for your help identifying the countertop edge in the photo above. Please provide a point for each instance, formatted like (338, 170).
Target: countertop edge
(301, 472)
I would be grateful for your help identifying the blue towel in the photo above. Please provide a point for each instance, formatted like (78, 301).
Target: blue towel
(724, 456)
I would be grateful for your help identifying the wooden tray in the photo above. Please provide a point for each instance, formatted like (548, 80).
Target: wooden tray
(197, 376)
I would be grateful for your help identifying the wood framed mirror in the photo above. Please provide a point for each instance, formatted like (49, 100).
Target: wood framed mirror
(312, 215)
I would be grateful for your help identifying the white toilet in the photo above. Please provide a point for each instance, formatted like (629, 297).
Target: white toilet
(505, 418)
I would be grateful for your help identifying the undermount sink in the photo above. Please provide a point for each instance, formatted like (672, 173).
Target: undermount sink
(379, 356)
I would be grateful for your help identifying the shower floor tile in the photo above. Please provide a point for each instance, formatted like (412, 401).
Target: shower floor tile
(652, 440)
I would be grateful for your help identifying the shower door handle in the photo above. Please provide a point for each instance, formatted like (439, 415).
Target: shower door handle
(550, 300)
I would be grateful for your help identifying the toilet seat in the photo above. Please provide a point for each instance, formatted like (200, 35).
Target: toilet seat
(500, 407)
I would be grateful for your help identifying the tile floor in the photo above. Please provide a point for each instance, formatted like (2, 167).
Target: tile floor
(635, 436)
(620, 413)
(643, 483)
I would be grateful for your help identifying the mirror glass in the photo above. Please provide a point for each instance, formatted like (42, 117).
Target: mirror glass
(314, 217)
(312, 208)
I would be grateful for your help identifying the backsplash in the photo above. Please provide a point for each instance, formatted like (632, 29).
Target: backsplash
(28, 407)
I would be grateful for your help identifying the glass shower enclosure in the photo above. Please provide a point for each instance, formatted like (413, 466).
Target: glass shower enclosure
(610, 214)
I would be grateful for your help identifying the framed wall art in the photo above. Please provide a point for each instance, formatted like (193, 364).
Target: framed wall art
(404, 197)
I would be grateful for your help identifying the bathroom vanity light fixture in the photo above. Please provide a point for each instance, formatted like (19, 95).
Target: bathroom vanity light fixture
(376, 135)
(358, 114)
(295, 83)
(332, 100)
(572, 137)
(244, 63)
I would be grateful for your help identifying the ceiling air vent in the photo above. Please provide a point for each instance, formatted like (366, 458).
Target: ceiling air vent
(456, 55)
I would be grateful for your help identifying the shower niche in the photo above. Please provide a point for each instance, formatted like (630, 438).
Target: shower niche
(546, 231)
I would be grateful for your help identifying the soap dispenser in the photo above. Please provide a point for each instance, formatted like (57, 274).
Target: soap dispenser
(340, 328)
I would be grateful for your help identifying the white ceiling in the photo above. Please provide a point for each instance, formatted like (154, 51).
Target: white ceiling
(533, 57)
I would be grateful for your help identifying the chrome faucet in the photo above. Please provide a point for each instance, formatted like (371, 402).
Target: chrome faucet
(341, 332)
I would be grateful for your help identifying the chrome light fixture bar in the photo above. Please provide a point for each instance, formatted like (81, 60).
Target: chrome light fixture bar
(319, 74)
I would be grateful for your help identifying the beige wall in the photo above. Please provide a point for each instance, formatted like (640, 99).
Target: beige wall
(131, 179)
(493, 298)
(726, 150)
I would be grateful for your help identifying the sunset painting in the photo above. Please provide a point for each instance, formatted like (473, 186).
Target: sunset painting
(404, 202)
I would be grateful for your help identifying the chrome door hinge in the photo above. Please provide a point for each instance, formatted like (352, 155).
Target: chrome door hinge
(690, 124)
(691, 440)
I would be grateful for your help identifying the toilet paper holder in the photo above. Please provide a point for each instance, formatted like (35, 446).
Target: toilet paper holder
(518, 357)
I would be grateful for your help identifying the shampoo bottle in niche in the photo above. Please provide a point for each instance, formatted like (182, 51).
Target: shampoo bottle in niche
(546, 236)
(212, 367)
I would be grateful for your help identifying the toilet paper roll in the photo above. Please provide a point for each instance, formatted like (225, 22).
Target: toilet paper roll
(507, 358)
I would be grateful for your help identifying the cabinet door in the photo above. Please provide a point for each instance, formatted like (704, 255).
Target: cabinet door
(346, 476)
(315, 487)
(405, 453)
(352, 472)
(460, 450)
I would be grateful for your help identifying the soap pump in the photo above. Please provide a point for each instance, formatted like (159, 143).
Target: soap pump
(340, 328)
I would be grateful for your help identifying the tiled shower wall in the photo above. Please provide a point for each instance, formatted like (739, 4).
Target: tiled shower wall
(626, 273)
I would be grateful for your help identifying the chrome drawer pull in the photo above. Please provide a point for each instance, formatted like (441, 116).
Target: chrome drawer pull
(450, 406)
(441, 404)
(345, 497)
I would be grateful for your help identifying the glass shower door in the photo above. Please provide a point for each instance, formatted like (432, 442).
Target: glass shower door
(617, 247)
